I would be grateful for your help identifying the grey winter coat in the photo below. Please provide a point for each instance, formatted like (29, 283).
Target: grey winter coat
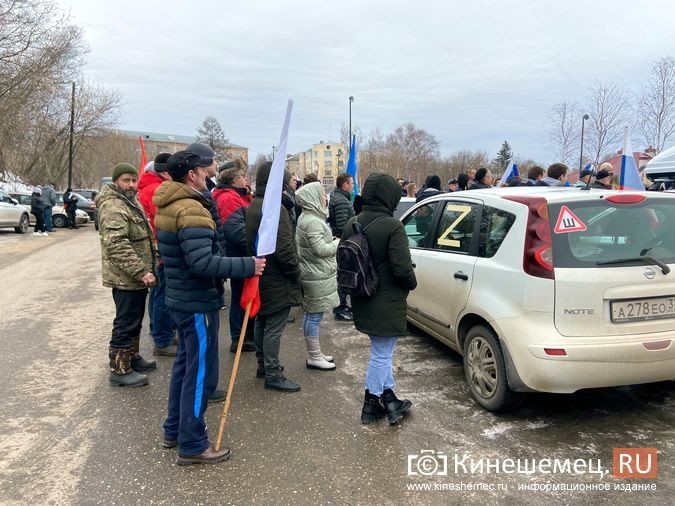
(316, 251)
(49, 195)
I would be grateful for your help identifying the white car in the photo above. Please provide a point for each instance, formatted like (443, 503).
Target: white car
(545, 289)
(12, 214)
(59, 216)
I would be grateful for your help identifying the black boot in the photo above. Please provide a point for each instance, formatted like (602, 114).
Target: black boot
(138, 363)
(372, 410)
(394, 407)
(121, 373)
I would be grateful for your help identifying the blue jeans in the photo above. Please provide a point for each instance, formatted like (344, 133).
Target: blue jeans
(379, 376)
(48, 219)
(310, 324)
(193, 379)
(160, 317)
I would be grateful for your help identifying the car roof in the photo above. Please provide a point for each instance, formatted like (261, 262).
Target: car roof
(551, 194)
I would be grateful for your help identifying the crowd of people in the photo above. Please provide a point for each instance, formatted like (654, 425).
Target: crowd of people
(187, 226)
(555, 175)
(42, 201)
(176, 234)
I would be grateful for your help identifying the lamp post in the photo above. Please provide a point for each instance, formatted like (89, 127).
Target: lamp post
(351, 99)
(581, 155)
(273, 150)
(72, 130)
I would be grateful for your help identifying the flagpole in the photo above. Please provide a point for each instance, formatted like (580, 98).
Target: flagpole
(233, 376)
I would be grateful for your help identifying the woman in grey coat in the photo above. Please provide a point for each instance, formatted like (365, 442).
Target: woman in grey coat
(318, 268)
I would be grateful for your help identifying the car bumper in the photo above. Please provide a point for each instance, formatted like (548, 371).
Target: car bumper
(588, 362)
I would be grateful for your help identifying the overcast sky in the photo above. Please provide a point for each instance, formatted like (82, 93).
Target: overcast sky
(472, 73)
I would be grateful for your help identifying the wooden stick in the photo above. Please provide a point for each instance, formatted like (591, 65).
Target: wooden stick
(233, 376)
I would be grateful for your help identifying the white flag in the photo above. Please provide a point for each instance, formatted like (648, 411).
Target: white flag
(269, 224)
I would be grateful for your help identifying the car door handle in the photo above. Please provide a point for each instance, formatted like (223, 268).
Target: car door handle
(461, 275)
(414, 266)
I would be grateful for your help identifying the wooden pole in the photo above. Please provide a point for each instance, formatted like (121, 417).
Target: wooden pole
(233, 376)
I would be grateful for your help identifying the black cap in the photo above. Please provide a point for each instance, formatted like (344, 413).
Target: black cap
(182, 162)
(160, 162)
(204, 151)
(452, 181)
(585, 172)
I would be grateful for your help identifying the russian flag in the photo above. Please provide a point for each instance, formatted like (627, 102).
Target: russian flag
(629, 177)
(144, 157)
(510, 172)
(352, 169)
(266, 241)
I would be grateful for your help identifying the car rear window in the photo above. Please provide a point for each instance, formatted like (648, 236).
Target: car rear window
(585, 233)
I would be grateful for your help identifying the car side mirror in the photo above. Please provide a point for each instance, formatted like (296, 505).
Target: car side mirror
(14, 201)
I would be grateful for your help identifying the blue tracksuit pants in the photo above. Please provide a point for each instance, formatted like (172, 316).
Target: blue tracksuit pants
(193, 380)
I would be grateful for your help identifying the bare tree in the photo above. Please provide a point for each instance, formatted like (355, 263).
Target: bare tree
(410, 151)
(463, 160)
(565, 132)
(609, 108)
(210, 132)
(656, 104)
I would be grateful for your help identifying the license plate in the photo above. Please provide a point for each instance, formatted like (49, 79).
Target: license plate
(637, 310)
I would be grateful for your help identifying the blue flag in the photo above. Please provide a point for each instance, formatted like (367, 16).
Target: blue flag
(510, 172)
(352, 169)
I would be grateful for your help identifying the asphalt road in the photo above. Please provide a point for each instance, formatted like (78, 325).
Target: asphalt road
(67, 437)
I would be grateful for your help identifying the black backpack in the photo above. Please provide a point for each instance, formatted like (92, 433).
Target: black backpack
(356, 273)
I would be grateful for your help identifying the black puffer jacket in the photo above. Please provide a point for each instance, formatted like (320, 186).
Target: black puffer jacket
(189, 250)
(280, 281)
(340, 210)
(384, 314)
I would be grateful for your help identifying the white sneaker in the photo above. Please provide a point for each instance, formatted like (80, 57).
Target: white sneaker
(37, 233)
(45, 233)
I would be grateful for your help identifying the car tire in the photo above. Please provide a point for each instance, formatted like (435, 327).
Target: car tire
(59, 221)
(24, 224)
(485, 371)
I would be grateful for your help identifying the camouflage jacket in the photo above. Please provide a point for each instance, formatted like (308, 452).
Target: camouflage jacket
(127, 248)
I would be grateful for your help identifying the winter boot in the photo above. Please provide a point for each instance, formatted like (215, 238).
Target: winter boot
(315, 359)
(121, 373)
(138, 363)
(372, 410)
(394, 407)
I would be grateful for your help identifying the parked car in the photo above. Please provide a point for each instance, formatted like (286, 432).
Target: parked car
(405, 204)
(12, 214)
(86, 193)
(88, 206)
(59, 217)
(548, 290)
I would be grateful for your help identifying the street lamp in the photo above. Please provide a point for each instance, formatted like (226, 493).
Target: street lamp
(339, 154)
(581, 155)
(351, 99)
(273, 150)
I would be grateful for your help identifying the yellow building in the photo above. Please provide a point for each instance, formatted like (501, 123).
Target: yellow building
(325, 159)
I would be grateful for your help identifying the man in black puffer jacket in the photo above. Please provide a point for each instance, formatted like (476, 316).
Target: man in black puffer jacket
(340, 211)
(279, 286)
(194, 294)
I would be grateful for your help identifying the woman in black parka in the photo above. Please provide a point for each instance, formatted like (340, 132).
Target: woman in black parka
(383, 316)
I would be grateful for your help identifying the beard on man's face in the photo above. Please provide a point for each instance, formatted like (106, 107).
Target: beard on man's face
(131, 193)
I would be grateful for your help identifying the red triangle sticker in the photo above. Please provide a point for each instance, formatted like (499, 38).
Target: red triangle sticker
(568, 222)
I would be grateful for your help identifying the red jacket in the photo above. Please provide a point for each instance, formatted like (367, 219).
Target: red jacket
(146, 189)
(229, 200)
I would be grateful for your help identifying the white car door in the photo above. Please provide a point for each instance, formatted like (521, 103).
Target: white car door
(445, 272)
(7, 211)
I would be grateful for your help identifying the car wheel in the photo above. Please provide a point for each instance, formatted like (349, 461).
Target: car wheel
(485, 371)
(24, 223)
(59, 221)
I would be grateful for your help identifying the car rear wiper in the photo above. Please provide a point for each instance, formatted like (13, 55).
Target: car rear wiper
(645, 259)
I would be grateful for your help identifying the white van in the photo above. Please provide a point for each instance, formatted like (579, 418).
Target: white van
(661, 169)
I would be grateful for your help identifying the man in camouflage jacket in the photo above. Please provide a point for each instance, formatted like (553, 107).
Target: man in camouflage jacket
(129, 260)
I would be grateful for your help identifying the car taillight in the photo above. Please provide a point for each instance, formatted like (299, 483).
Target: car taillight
(538, 251)
(626, 198)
